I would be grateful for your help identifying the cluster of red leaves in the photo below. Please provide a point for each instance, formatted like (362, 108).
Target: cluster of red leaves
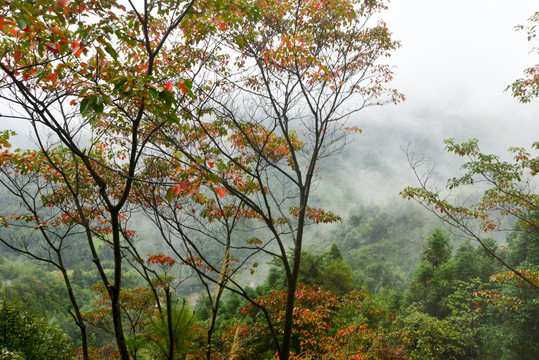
(500, 300)
(160, 259)
(98, 353)
(213, 212)
(199, 263)
(326, 325)
(135, 303)
(506, 302)
(512, 277)
(273, 147)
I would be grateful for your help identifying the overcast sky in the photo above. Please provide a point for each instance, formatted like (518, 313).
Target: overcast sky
(456, 59)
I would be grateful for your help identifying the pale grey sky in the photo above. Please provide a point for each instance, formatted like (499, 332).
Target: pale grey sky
(456, 59)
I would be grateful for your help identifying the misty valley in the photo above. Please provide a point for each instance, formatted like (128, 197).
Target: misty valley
(243, 179)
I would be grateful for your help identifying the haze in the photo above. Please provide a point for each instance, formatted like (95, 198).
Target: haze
(455, 62)
(456, 59)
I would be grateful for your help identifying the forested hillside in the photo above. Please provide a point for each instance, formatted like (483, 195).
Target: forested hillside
(191, 187)
(403, 290)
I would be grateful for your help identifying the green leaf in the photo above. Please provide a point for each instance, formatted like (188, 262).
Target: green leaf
(119, 83)
(111, 51)
(221, 166)
(166, 96)
(98, 107)
(85, 106)
(22, 23)
(153, 93)
(170, 194)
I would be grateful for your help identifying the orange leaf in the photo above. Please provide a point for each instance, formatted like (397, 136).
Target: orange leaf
(75, 47)
(62, 3)
(17, 55)
(80, 8)
(58, 32)
(221, 192)
(53, 76)
(3, 22)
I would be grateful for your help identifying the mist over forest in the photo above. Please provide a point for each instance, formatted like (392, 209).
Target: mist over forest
(168, 195)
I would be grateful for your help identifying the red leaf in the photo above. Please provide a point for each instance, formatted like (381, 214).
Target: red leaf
(221, 192)
(169, 86)
(75, 47)
(182, 185)
(177, 189)
(17, 55)
(53, 76)
(3, 22)
(182, 86)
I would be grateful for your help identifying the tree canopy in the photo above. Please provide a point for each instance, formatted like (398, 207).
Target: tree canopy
(201, 114)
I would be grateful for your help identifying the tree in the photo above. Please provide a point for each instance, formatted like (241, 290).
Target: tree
(508, 194)
(526, 88)
(433, 277)
(523, 244)
(438, 250)
(150, 333)
(42, 233)
(426, 337)
(94, 82)
(327, 270)
(25, 334)
(511, 304)
(299, 70)
(327, 325)
(111, 92)
(466, 264)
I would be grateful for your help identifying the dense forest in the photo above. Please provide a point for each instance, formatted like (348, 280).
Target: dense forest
(182, 195)
(384, 284)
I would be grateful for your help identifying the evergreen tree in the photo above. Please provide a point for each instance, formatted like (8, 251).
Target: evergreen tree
(432, 280)
(438, 250)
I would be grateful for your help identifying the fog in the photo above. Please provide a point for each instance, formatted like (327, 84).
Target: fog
(455, 62)
(456, 59)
